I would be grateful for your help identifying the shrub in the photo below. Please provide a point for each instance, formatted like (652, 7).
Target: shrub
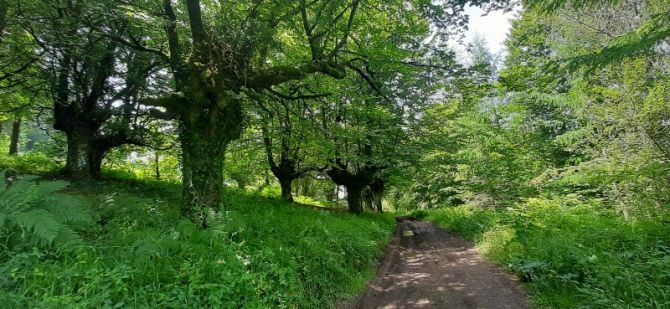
(572, 252)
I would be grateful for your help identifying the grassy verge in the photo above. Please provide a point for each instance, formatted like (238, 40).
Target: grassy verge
(572, 254)
(262, 253)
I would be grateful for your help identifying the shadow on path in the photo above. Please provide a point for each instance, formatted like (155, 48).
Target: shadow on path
(427, 267)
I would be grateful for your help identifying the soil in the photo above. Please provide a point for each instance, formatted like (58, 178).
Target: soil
(427, 267)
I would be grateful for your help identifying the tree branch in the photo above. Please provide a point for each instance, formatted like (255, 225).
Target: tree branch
(195, 22)
(173, 103)
(281, 74)
(163, 115)
(369, 80)
(347, 31)
(300, 97)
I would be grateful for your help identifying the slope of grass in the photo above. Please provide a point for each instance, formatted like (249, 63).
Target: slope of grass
(262, 253)
(572, 254)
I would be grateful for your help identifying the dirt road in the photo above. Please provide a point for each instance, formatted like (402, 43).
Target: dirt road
(427, 267)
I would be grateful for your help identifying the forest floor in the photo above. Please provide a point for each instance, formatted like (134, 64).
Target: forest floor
(426, 267)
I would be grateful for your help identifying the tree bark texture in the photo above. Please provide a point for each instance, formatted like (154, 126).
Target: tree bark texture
(16, 134)
(285, 184)
(204, 137)
(84, 155)
(354, 197)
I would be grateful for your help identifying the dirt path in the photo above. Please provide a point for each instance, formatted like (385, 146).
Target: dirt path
(426, 267)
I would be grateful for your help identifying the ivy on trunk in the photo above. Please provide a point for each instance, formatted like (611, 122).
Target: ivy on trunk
(211, 77)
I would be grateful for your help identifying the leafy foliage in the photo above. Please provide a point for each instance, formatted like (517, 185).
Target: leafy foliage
(33, 214)
(570, 252)
(555, 160)
(142, 253)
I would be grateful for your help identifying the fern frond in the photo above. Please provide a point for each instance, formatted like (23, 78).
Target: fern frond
(18, 195)
(35, 214)
(67, 239)
(48, 187)
(152, 243)
(41, 223)
(68, 210)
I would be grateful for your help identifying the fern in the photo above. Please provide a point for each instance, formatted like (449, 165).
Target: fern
(34, 214)
(39, 221)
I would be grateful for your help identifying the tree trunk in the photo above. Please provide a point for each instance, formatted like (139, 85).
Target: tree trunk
(354, 183)
(16, 133)
(377, 191)
(4, 8)
(366, 197)
(157, 168)
(203, 153)
(285, 183)
(266, 176)
(95, 157)
(306, 186)
(354, 196)
(377, 200)
(241, 182)
(84, 157)
(30, 144)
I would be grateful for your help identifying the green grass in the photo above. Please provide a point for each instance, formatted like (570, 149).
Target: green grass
(301, 199)
(275, 192)
(571, 254)
(29, 163)
(262, 253)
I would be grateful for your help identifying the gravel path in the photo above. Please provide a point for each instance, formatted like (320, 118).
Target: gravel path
(427, 267)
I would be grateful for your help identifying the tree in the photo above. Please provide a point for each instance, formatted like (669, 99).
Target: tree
(95, 83)
(245, 159)
(363, 129)
(16, 134)
(290, 135)
(219, 54)
(17, 52)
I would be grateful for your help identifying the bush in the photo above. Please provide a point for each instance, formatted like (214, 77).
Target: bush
(572, 253)
(30, 163)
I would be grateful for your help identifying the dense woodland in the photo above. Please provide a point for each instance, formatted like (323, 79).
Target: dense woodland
(228, 154)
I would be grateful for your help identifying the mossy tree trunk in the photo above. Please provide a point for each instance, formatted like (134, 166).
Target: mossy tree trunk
(16, 134)
(354, 182)
(204, 135)
(283, 168)
(78, 163)
(202, 170)
(209, 81)
(286, 184)
(377, 188)
(355, 197)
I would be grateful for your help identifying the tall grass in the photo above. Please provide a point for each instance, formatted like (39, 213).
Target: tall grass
(139, 253)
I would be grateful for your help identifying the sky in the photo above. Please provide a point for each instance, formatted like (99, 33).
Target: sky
(494, 27)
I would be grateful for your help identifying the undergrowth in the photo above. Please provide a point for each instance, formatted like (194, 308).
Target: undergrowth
(571, 253)
(139, 253)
